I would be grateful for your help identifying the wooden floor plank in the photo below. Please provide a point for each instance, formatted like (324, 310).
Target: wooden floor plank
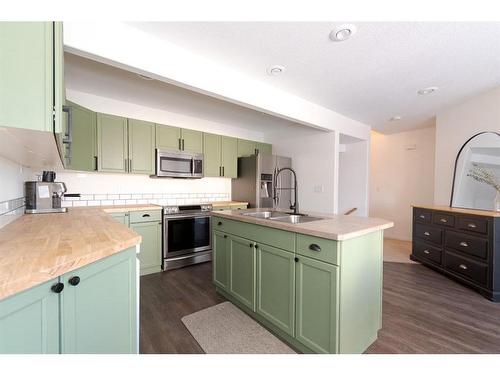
(423, 312)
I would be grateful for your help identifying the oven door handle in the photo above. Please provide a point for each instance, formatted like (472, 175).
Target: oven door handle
(192, 166)
(175, 217)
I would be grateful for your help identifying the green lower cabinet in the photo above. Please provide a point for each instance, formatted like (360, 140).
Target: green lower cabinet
(112, 142)
(317, 305)
(150, 255)
(276, 287)
(122, 217)
(82, 156)
(99, 314)
(220, 260)
(141, 146)
(242, 270)
(29, 321)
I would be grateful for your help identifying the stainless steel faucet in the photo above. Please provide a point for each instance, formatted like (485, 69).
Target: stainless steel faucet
(295, 205)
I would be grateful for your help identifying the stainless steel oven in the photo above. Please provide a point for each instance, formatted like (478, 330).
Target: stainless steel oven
(187, 235)
(178, 164)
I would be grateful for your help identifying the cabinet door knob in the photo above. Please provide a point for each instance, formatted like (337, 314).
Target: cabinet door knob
(225, 236)
(256, 246)
(75, 280)
(427, 252)
(463, 266)
(427, 234)
(250, 244)
(296, 259)
(57, 288)
(314, 247)
(464, 244)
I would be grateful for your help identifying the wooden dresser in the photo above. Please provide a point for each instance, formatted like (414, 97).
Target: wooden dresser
(462, 244)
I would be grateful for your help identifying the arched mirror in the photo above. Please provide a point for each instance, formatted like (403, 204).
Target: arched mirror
(476, 180)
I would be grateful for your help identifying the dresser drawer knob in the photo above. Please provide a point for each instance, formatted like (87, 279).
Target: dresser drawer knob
(427, 252)
(427, 234)
(471, 225)
(464, 244)
(463, 266)
(422, 216)
(443, 220)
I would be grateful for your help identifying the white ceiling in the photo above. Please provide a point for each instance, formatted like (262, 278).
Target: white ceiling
(370, 77)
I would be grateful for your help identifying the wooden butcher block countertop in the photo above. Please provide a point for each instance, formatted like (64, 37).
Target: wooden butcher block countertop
(37, 248)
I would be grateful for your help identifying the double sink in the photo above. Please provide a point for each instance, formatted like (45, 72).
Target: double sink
(282, 216)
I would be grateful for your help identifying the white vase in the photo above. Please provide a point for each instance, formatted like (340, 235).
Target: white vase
(496, 202)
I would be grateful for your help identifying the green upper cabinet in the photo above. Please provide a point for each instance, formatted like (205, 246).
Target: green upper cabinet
(220, 262)
(276, 287)
(192, 140)
(29, 321)
(141, 145)
(99, 312)
(168, 137)
(112, 153)
(229, 157)
(150, 255)
(317, 285)
(264, 148)
(242, 270)
(83, 149)
(246, 147)
(171, 137)
(27, 83)
(212, 155)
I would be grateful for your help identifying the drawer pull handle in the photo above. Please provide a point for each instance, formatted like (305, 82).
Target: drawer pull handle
(314, 247)
(146, 215)
(427, 252)
(471, 225)
(422, 216)
(464, 244)
(443, 220)
(427, 234)
(250, 244)
(463, 266)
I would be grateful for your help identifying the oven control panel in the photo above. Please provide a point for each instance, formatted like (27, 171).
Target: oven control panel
(171, 210)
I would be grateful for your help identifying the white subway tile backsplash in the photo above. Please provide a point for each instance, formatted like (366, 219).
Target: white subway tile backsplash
(107, 202)
(66, 204)
(147, 196)
(100, 196)
(113, 196)
(79, 203)
(125, 196)
(157, 195)
(86, 197)
(131, 201)
(142, 201)
(93, 203)
(118, 202)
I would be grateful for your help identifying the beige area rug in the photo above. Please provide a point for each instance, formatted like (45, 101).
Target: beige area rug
(225, 329)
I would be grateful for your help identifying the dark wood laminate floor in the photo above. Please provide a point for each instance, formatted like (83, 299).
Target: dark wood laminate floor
(423, 312)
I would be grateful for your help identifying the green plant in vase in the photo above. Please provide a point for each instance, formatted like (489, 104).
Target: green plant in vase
(488, 177)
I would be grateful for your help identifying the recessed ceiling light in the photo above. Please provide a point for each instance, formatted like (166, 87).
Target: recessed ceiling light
(145, 77)
(427, 90)
(342, 32)
(275, 70)
(395, 118)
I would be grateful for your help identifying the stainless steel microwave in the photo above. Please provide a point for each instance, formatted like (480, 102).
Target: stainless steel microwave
(179, 164)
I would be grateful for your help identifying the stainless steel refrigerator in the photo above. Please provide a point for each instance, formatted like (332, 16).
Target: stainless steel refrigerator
(256, 182)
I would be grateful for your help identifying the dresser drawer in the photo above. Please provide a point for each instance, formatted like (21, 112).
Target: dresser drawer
(426, 251)
(422, 216)
(143, 216)
(472, 270)
(443, 219)
(475, 246)
(428, 233)
(473, 224)
(318, 248)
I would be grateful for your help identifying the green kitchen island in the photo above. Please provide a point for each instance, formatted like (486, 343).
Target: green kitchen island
(315, 284)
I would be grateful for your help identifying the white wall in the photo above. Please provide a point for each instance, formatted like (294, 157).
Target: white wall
(353, 178)
(454, 127)
(401, 174)
(12, 177)
(313, 158)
